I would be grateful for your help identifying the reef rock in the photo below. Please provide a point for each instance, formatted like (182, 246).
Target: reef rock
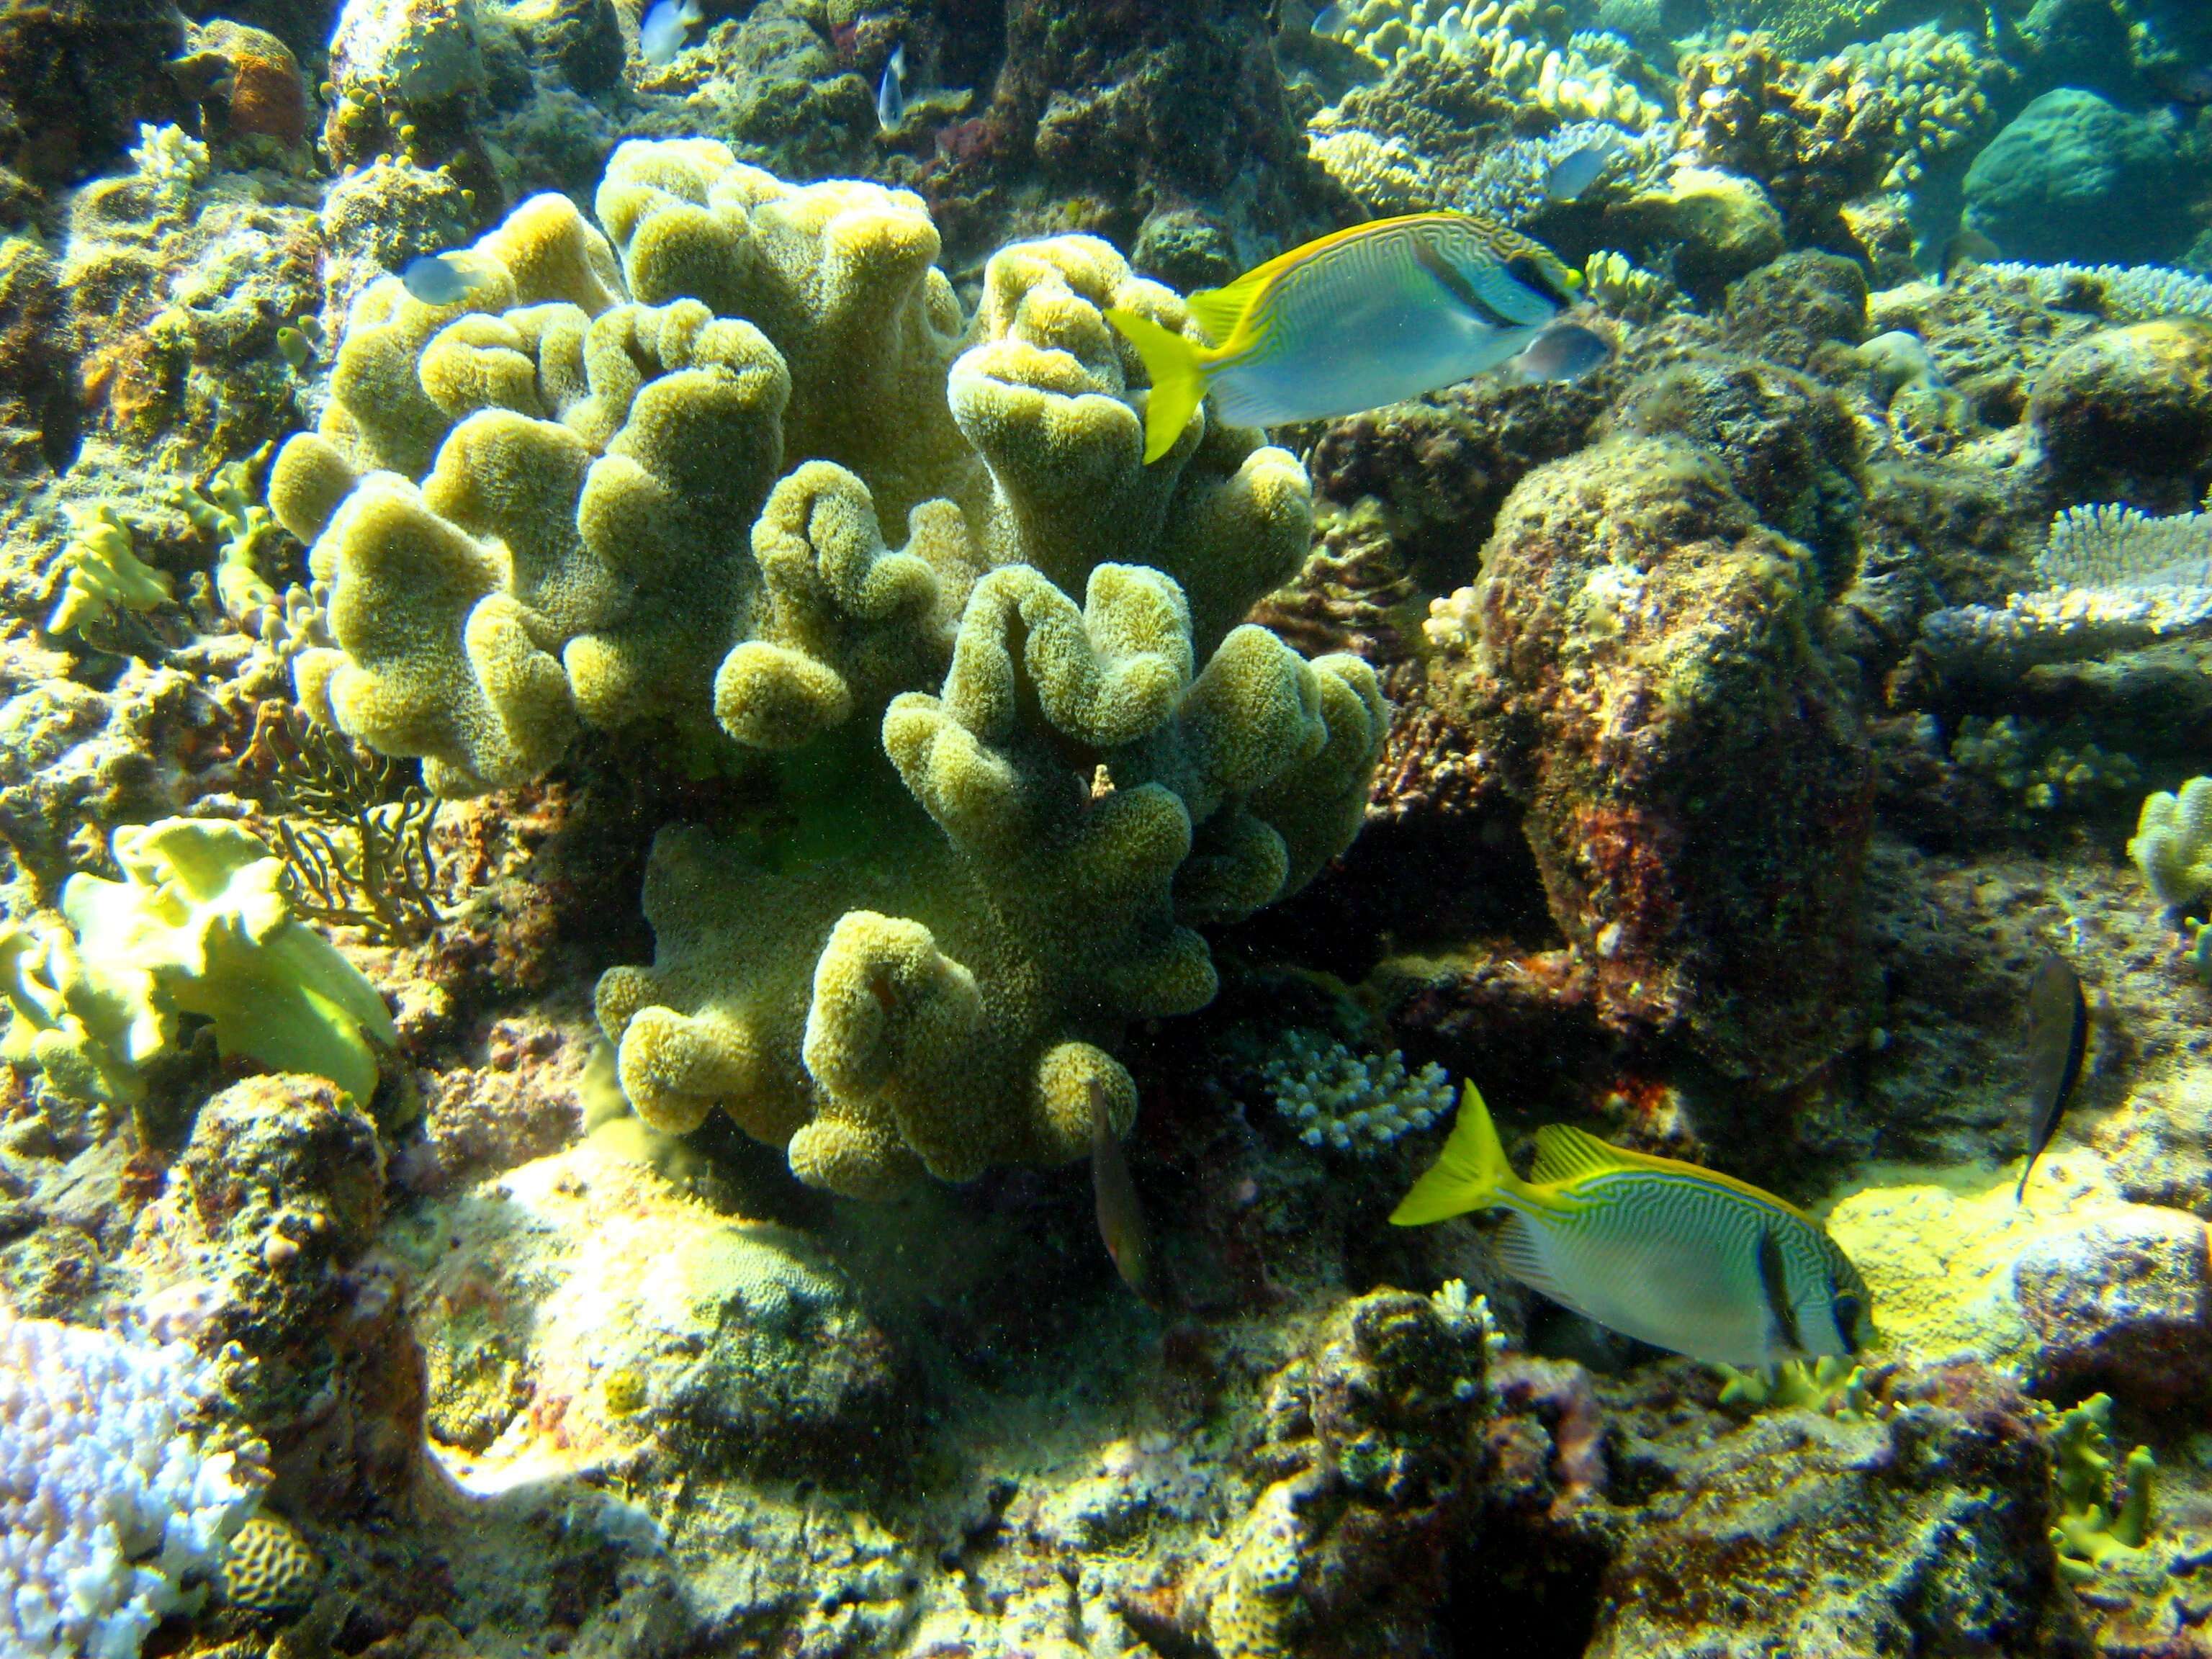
(2122, 1303)
(1925, 1532)
(261, 1250)
(1696, 789)
(2126, 414)
(579, 1310)
(2074, 178)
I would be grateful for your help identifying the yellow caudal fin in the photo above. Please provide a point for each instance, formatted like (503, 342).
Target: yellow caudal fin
(1467, 1175)
(1178, 379)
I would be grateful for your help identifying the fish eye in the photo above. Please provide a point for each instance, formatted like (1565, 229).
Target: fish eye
(1538, 275)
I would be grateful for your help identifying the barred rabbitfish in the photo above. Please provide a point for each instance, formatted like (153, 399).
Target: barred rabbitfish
(1681, 1257)
(1361, 318)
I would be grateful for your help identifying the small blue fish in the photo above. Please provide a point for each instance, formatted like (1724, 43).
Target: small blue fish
(890, 91)
(660, 32)
(1356, 319)
(1578, 169)
(440, 279)
(1564, 351)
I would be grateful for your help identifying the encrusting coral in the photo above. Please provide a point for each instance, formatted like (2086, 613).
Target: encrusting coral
(105, 575)
(199, 925)
(882, 993)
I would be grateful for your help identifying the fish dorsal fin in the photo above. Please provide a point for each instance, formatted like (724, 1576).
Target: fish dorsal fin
(1218, 310)
(1563, 1153)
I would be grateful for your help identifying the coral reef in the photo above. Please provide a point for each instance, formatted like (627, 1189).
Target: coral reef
(2172, 843)
(123, 1483)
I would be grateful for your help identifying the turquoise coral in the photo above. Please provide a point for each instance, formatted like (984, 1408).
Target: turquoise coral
(199, 926)
(1009, 809)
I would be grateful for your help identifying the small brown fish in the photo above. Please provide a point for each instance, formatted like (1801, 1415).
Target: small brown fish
(2057, 1033)
(1967, 248)
(1120, 1218)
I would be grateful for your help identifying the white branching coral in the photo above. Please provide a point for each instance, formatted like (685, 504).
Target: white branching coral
(2116, 581)
(1500, 41)
(1357, 1103)
(2121, 293)
(116, 1500)
(2116, 547)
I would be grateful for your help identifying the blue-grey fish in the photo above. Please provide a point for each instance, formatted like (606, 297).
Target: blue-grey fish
(1578, 169)
(1681, 1257)
(890, 91)
(1328, 20)
(440, 279)
(1120, 1216)
(660, 32)
(1564, 351)
(1352, 320)
(2057, 1036)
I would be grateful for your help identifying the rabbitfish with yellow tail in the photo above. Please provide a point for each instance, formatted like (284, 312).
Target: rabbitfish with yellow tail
(1668, 1253)
(1362, 318)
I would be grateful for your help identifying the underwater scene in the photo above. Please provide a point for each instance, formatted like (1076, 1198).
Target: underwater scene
(1105, 829)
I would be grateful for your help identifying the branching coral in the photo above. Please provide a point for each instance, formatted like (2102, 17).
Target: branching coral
(1001, 810)
(2102, 1521)
(199, 926)
(1357, 1103)
(226, 509)
(2116, 547)
(1831, 1385)
(2120, 293)
(1500, 42)
(1814, 136)
(1938, 85)
(354, 831)
(117, 1491)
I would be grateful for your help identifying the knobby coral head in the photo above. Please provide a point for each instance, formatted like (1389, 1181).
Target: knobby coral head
(644, 477)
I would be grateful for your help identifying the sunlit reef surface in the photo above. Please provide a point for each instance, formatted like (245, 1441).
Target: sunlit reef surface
(591, 838)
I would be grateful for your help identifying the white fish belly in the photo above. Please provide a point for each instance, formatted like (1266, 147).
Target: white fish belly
(1687, 1297)
(1391, 353)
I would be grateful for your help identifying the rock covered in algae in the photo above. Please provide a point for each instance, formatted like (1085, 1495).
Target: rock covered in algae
(1061, 789)
(577, 1310)
(2129, 411)
(2078, 1287)
(1699, 815)
(261, 1250)
(1342, 1552)
(1923, 1531)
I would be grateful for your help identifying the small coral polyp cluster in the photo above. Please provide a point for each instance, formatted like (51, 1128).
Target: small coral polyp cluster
(639, 482)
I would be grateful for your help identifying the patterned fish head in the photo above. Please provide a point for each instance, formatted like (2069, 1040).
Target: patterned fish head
(1831, 1309)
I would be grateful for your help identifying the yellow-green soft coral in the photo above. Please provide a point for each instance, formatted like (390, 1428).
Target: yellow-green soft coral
(999, 813)
(2101, 1522)
(2172, 844)
(198, 925)
(105, 574)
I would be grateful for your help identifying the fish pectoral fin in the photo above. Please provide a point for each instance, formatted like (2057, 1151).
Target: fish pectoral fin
(1521, 1254)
